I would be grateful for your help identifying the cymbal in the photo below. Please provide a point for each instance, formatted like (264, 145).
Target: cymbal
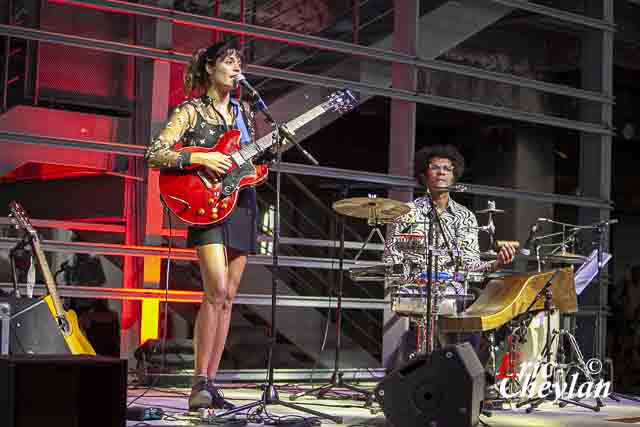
(565, 258)
(365, 207)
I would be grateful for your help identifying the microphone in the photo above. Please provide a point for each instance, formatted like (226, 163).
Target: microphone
(259, 103)
(242, 81)
(526, 248)
(605, 223)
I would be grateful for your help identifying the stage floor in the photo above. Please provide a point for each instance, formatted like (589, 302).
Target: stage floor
(173, 401)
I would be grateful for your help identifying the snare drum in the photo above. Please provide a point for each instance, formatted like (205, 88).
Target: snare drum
(411, 300)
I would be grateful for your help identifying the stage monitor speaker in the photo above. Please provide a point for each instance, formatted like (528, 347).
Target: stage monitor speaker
(73, 391)
(443, 389)
(32, 327)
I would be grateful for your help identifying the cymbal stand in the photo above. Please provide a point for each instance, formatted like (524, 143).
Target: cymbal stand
(372, 221)
(336, 380)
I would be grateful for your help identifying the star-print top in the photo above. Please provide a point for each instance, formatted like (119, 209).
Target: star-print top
(192, 123)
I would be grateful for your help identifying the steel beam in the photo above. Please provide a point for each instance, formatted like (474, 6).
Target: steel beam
(327, 172)
(574, 18)
(481, 190)
(88, 145)
(182, 254)
(183, 18)
(69, 225)
(113, 228)
(196, 297)
(439, 101)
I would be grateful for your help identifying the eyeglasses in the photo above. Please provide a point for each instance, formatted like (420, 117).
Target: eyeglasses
(443, 168)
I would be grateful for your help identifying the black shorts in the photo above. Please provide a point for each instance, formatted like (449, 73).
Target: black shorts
(238, 232)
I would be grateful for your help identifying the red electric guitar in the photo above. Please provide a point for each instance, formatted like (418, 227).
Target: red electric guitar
(197, 196)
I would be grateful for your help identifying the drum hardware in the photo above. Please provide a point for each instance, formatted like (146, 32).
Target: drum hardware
(546, 294)
(515, 337)
(376, 210)
(490, 228)
(346, 207)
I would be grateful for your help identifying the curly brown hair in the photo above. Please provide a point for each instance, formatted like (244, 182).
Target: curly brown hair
(196, 77)
(423, 158)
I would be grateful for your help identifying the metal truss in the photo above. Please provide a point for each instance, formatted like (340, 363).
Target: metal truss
(326, 172)
(180, 254)
(183, 18)
(315, 80)
(113, 228)
(196, 297)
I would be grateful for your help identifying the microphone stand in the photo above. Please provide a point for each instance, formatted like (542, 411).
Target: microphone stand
(431, 260)
(270, 394)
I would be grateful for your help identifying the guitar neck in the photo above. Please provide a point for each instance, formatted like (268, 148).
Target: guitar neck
(48, 277)
(264, 143)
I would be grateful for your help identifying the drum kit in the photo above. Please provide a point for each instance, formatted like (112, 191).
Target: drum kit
(507, 302)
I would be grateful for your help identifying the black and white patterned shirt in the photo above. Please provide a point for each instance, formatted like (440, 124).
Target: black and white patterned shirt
(460, 226)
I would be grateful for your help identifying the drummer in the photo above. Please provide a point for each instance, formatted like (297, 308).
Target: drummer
(438, 167)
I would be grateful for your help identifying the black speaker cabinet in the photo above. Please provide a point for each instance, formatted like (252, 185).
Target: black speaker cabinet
(32, 328)
(70, 391)
(443, 389)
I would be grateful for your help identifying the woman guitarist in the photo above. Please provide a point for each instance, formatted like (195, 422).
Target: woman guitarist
(222, 248)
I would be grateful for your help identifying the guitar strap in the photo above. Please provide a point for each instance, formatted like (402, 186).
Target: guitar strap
(241, 122)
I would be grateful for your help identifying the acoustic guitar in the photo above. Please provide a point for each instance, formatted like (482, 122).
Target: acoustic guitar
(67, 320)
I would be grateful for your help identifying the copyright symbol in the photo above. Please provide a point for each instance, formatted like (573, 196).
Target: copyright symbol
(594, 366)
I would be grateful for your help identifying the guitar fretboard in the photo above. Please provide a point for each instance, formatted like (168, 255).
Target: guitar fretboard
(264, 143)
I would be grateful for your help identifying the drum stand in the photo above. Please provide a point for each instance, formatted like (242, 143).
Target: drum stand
(513, 385)
(546, 356)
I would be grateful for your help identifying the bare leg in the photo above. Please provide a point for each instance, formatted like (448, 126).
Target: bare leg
(213, 266)
(236, 266)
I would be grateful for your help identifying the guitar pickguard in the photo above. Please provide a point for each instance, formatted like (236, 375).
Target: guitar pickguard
(231, 181)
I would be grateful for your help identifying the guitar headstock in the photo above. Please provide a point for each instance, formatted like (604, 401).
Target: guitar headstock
(21, 219)
(341, 101)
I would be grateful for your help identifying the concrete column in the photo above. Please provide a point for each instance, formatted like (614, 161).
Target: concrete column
(595, 150)
(403, 133)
